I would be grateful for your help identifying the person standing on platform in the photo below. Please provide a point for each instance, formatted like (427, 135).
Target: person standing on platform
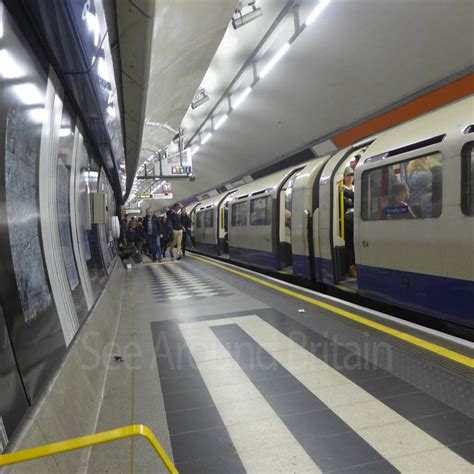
(186, 224)
(174, 217)
(165, 234)
(152, 229)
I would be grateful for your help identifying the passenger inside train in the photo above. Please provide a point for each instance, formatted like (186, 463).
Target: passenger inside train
(348, 206)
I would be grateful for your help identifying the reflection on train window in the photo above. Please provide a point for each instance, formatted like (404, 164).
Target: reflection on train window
(260, 211)
(467, 178)
(209, 218)
(411, 189)
(239, 214)
(199, 220)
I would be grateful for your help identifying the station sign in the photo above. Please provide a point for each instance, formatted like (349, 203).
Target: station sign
(161, 195)
(176, 164)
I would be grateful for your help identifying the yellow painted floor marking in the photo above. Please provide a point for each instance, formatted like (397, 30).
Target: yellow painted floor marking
(417, 341)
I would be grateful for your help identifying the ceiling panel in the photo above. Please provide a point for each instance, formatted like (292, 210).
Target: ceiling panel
(359, 57)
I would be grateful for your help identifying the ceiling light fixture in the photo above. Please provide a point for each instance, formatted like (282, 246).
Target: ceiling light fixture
(200, 98)
(239, 20)
(241, 97)
(195, 150)
(220, 122)
(29, 94)
(281, 52)
(316, 12)
(206, 139)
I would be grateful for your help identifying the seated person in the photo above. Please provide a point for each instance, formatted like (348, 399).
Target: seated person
(398, 207)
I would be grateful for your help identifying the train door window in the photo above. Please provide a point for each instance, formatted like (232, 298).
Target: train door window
(209, 218)
(410, 189)
(239, 214)
(467, 180)
(199, 219)
(286, 199)
(261, 211)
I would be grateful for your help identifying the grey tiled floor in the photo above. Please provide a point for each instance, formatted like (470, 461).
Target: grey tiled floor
(234, 379)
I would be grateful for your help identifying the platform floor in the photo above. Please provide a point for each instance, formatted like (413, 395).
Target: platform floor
(236, 372)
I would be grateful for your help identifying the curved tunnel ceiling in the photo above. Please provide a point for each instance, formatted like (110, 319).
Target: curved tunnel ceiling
(186, 35)
(358, 58)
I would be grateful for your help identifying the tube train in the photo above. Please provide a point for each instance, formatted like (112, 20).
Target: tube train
(414, 255)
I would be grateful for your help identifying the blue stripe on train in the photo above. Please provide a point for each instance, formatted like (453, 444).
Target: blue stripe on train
(210, 249)
(258, 258)
(446, 298)
(301, 266)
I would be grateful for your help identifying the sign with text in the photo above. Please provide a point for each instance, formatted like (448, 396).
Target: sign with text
(176, 165)
(162, 195)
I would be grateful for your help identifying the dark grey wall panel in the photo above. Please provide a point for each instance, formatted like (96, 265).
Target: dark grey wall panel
(30, 312)
(13, 402)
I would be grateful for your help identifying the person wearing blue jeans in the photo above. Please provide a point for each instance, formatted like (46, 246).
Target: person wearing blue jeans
(152, 228)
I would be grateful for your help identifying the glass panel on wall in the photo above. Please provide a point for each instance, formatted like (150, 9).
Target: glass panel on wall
(107, 242)
(30, 311)
(66, 149)
(89, 183)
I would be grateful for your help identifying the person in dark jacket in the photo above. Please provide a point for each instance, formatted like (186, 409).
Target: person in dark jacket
(165, 233)
(140, 238)
(186, 224)
(348, 191)
(174, 217)
(151, 227)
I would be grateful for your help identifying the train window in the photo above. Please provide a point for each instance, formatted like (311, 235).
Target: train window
(261, 211)
(467, 180)
(410, 189)
(199, 220)
(239, 214)
(209, 218)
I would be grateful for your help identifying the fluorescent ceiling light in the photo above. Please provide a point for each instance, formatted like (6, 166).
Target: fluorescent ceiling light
(1, 21)
(10, 68)
(195, 150)
(64, 132)
(316, 12)
(206, 139)
(281, 52)
(103, 70)
(93, 25)
(38, 115)
(219, 123)
(29, 94)
(111, 110)
(241, 97)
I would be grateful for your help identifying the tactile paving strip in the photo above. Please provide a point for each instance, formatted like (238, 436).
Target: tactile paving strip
(170, 283)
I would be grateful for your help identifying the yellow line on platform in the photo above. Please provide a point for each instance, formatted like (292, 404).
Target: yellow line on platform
(87, 441)
(404, 336)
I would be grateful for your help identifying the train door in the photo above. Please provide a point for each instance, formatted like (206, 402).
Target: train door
(284, 228)
(304, 203)
(223, 228)
(285, 217)
(336, 219)
(345, 272)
